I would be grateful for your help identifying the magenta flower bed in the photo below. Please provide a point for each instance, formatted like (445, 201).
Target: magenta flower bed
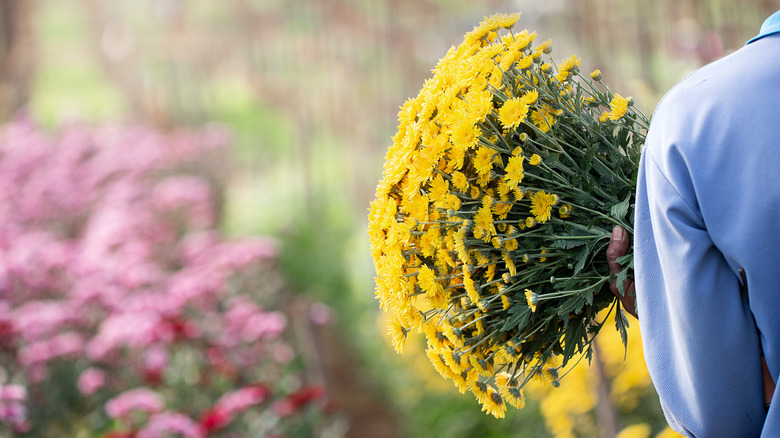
(123, 310)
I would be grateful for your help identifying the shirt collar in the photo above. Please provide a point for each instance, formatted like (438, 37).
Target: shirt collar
(770, 26)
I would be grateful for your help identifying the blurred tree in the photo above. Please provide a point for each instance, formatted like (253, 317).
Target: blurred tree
(17, 55)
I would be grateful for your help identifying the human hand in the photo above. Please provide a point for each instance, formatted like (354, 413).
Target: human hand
(618, 247)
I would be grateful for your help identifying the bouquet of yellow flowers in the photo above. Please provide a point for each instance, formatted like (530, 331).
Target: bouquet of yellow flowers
(499, 194)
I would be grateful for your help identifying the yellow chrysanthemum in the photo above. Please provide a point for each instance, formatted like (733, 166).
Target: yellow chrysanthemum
(530, 97)
(438, 363)
(397, 333)
(454, 334)
(596, 75)
(484, 367)
(510, 244)
(505, 303)
(543, 120)
(506, 21)
(426, 278)
(525, 62)
(541, 205)
(512, 112)
(483, 162)
(501, 209)
(465, 135)
(460, 181)
(514, 171)
(483, 220)
(509, 263)
(480, 390)
(457, 361)
(531, 298)
(494, 404)
(570, 63)
(513, 396)
(535, 160)
(618, 107)
(439, 189)
(565, 211)
(504, 355)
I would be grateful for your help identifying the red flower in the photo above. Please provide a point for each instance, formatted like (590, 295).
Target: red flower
(214, 419)
(298, 399)
(126, 434)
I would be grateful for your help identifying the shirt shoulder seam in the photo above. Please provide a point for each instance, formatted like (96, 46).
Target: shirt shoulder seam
(668, 182)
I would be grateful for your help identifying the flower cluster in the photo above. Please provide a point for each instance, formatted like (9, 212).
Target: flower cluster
(123, 310)
(500, 190)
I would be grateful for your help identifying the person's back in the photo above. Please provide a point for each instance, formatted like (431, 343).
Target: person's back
(708, 205)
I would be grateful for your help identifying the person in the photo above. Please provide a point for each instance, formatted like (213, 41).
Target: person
(707, 245)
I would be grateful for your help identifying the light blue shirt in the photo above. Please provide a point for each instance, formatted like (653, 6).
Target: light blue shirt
(708, 204)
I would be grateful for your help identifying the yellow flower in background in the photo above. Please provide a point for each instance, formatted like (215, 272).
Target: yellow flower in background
(535, 160)
(641, 430)
(668, 433)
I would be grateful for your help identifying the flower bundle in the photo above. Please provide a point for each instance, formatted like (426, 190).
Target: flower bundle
(499, 193)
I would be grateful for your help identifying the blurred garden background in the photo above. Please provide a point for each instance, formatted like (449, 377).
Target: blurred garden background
(185, 186)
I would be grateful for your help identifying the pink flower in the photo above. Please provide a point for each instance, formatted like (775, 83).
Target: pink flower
(166, 423)
(186, 199)
(13, 392)
(41, 352)
(12, 409)
(91, 380)
(139, 399)
(135, 330)
(232, 404)
(263, 325)
(35, 320)
(320, 314)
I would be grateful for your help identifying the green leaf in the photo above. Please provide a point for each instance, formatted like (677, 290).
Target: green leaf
(625, 260)
(624, 274)
(619, 210)
(621, 323)
(582, 257)
(518, 320)
(574, 340)
(572, 305)
(588, 294)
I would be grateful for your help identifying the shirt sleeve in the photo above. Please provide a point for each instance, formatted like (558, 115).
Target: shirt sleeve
(698, 334)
